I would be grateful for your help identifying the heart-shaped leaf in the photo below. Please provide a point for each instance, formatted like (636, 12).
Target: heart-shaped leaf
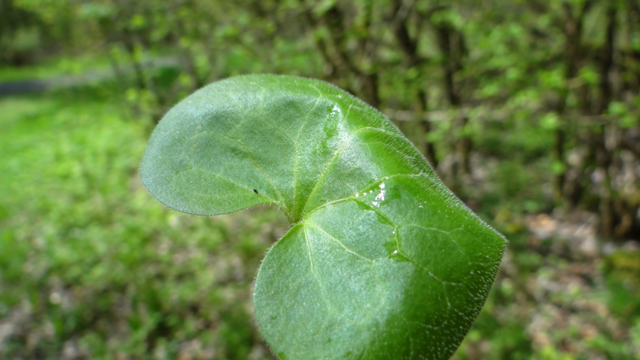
(382, 261)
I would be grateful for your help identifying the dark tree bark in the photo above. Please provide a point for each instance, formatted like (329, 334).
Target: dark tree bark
(413, 58)
(451, 45)
(603, 154)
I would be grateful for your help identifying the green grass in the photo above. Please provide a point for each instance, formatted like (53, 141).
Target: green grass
(90, 261)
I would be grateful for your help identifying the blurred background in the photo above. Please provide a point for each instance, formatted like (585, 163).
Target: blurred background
(529, 110)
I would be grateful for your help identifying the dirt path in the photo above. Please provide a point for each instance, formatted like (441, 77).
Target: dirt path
(67, 81)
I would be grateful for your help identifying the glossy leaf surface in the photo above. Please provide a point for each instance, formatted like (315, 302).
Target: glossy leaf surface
(381, 261)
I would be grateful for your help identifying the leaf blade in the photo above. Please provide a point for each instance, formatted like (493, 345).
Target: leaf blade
(382, 261)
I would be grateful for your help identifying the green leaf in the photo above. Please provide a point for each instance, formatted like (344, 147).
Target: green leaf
(618, 108)
(558, 167)
(550, 121)
(382, 261)
(589, 75)
(138, 22)
(628, 121)
(552, 79)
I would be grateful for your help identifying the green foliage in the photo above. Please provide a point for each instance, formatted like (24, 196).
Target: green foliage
(622, 269)
(381, 261)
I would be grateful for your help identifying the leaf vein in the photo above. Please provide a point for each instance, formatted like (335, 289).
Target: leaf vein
(324, 173)
(313, 270)
(296, 160)
(255, 164)
(364, 187)
(340, 243)
(230, 181)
